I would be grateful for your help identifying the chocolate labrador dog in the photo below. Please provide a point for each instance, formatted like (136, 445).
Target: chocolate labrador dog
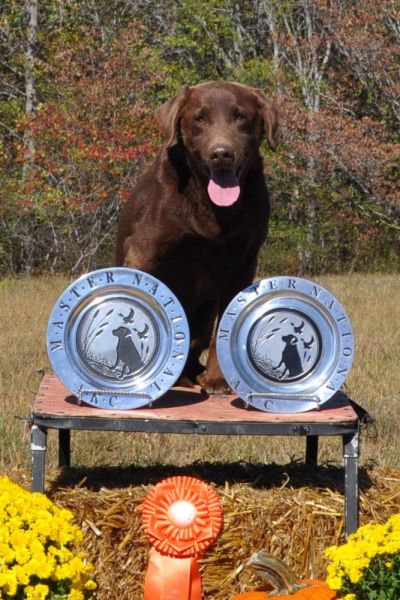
(197, 218)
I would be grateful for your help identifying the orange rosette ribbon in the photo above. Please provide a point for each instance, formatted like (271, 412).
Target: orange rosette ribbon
(181, 517)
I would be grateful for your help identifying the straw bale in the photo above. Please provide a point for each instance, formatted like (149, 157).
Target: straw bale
(293, 512)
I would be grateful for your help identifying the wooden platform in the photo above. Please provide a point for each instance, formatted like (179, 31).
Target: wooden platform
(187, 411)
(182, 404)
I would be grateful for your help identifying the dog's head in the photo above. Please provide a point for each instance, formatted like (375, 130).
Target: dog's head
(290, 339)
(122, 333)
(220, 125)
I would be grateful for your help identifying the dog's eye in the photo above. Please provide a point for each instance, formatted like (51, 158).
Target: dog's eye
(199, 119)
(239, 116)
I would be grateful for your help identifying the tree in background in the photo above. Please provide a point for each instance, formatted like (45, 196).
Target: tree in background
(336, 200)
(91, 131)
(101, 68)
(32, 7)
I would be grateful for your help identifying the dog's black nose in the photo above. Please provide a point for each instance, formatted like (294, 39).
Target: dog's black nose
(222, 156)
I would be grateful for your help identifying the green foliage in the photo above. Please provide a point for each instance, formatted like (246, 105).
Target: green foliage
(256, 72)
(339, 247)
(101, 69)
(202, 35)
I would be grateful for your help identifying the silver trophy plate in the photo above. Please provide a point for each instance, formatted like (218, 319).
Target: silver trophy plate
(285, 345)
(118, 338)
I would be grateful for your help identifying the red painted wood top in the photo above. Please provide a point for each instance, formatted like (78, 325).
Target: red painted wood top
(183, 404)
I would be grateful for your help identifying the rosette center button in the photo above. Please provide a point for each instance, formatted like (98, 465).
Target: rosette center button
(182, 513)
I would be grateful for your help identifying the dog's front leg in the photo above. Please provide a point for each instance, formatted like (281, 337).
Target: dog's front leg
(212, 380)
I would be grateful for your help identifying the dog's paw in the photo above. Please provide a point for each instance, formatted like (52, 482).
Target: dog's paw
(213, 385)
(185, 382)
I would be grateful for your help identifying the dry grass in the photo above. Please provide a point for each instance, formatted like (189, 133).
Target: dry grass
(293, 512)
(285, 508)
(374, 382)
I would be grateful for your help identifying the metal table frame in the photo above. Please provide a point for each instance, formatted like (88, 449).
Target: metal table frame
(309, 425)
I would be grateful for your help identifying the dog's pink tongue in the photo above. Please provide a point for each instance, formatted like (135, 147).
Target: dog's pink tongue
(223, 188)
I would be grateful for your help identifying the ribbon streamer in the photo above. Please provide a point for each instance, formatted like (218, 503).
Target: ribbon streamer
(170, 578)
(181, 517)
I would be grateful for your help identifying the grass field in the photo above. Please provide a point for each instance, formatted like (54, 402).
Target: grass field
(374, 382)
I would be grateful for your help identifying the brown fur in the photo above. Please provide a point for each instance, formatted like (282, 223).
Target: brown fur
(170, 227)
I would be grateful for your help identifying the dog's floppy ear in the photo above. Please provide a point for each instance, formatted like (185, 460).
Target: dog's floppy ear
(169, 113)
(269, 113)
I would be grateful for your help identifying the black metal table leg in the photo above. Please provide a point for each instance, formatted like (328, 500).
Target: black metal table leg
(311, 450)
(64, 448)
(38, 450)
(351, 493)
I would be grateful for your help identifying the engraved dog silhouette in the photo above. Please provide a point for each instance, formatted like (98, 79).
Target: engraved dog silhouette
(290, 357)
(126, 352)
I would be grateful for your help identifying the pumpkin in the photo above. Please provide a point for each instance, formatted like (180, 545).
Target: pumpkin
(285, 582)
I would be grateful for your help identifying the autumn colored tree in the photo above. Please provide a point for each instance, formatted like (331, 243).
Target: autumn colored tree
(91, 137)
(99, 70)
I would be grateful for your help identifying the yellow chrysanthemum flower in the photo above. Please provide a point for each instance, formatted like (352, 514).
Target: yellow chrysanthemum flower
(354, 561)
(10, 583)
(38, 547)
(90, 585)
(37, 592)
(75, 595)
(22, 555)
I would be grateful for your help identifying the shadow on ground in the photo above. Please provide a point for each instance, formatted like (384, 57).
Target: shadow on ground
(259, 476)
